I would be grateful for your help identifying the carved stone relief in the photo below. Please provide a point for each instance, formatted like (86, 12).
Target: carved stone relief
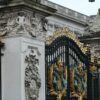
(22, 23)
(32, 77)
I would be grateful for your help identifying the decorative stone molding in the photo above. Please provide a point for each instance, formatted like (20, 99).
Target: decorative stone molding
(32, 77)
(22, 23)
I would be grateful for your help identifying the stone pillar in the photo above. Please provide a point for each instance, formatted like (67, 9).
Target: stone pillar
(23, 29)
(23, 63)
(17, 58)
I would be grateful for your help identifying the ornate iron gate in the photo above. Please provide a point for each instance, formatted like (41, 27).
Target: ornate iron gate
(66, 67)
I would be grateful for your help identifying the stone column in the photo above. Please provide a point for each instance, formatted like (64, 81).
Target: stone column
(23, 63)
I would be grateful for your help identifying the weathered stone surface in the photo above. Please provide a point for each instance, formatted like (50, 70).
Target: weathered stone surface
(32, 77)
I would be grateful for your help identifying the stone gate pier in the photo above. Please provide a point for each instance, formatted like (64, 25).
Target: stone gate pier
(22, 30)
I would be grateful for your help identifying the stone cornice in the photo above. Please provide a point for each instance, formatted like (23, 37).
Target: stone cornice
(32, 5)
(71, 18)
(90, 37)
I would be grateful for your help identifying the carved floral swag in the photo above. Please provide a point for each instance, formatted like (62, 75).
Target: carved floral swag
(32, 77)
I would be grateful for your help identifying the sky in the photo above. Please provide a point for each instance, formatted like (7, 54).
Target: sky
(82, 6)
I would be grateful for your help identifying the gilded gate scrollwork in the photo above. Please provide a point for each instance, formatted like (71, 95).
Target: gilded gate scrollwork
(78, 81)
(57, 79)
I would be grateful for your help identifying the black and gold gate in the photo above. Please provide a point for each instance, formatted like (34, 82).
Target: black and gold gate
(66, 67)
